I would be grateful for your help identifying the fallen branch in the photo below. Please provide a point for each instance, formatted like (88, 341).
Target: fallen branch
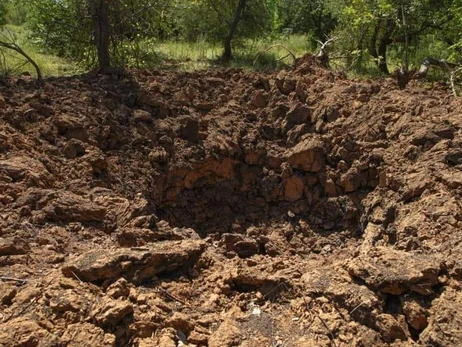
(16, 48)
(271, 47)
(404, 77)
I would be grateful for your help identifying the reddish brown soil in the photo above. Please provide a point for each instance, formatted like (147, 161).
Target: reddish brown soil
(227, 208)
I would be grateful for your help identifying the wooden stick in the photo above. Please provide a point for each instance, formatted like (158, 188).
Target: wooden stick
(5, 278)
(331, 335)
(171, 296)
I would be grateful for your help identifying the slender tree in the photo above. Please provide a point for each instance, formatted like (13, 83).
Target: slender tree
(99, 10)
(238, 13)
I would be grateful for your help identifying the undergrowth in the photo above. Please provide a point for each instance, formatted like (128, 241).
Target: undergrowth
(12, 63)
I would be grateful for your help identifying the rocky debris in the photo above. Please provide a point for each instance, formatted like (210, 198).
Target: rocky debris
(110, 312)
(307, 155)
(119, 289)
(73, 149)
(329, 208)
(142, 115)
(416, 314)
(26, 332)
(7, 293)
(13, 246)
(444, 322)
(86, 334)
(136, 265)
(227, 334)
(244, 246)
(30, 171)
(70, 207)
(2, 102)
(298, 114)
(253, 280)
(454, 157)
(392, 328)
(396, 272)
(188, 129)
(361, 303)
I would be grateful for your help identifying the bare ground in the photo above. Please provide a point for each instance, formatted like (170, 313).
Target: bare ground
(228, 208)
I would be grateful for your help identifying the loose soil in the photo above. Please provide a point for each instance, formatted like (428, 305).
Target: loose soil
(230, 208)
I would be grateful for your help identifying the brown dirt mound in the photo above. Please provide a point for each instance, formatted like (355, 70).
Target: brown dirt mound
(230, 208)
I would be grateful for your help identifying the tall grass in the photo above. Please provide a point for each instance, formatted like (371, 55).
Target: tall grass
(13, 63)
(202, 55)
(177, 55)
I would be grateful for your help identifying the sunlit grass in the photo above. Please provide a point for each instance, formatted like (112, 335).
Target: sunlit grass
(13, 63)
(258, 54)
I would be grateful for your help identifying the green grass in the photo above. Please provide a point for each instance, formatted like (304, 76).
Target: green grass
(202, 55)
(12, 63)
(261, 54)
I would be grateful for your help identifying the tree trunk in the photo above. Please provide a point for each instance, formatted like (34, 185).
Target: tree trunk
(406, 38)
(228, 54)
(380, 53)
(99, 10)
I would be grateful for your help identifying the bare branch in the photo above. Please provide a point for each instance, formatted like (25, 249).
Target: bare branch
(322, 55)
(271, 47)
(16, 48)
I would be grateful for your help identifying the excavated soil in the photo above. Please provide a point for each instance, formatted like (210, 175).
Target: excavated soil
(229, 208)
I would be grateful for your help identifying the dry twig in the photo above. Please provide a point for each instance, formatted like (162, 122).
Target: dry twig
(171, 296)
(271, 47)
(362, 303)
(6, 278)
(331, 335)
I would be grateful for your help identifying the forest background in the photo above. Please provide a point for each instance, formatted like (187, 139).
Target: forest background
(368, 37)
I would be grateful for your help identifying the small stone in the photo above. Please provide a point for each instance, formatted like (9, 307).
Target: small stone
(258, 99)
(198, 338)
(415, 314)
(244, 246)
(390, 329)
(111, 312)
(181, 322)
(118, 289)
(142, 115)
(293, 188)
(13, 246)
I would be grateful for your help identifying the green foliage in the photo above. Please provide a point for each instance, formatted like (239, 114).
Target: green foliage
(191, 32)
(17, 11)
(3, 13)
(11, 63)
(210, 20)
(301, 16)
(62, 28)
(454, 33)
(370, 30)
(65, 28)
